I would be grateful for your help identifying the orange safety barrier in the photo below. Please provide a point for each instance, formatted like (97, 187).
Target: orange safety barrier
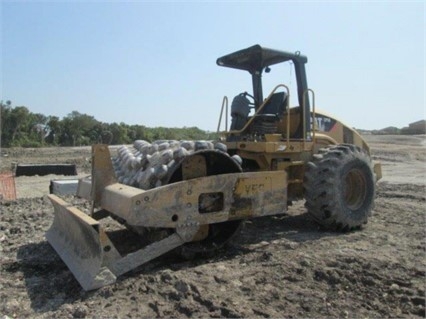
(7, 186)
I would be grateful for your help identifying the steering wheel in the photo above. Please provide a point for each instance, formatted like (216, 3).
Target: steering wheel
(253, 103)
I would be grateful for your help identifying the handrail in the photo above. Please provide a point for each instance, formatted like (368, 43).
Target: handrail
(313, 115)
(224, 104)
(261, 108)
(287, 108)
(328, 138)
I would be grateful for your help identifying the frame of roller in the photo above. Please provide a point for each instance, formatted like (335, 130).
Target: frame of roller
(95, 261)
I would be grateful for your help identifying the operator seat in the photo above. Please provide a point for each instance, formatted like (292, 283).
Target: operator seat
(265, 122)
(275, 106)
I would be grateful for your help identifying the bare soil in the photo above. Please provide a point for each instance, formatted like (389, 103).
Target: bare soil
(277, 267)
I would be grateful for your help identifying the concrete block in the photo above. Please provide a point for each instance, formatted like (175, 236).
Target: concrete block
(63, 186)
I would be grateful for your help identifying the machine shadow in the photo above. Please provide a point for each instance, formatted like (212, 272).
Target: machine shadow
(296, 228)
(48, 281)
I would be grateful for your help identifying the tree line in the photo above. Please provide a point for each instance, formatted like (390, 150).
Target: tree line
(22, 128)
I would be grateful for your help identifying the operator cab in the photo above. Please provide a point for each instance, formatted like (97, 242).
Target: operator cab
(265, 119)
(256, 60)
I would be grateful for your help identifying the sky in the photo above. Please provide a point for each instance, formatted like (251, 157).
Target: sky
(154, 63)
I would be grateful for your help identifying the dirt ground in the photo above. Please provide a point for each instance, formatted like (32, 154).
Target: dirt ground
(277, 267)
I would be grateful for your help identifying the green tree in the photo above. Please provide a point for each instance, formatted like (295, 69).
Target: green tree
(119, 134)
(19, 120)
(78, 129)
(20, 127)
(6, 128)
(55, 127)
(106, 137)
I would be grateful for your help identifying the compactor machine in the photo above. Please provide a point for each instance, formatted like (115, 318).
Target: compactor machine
(192, 196)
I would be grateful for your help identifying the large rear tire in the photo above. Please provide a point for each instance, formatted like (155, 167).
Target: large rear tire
(339, 186)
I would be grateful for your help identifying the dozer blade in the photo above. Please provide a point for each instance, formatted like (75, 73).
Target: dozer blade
(82, 244)
(91, 256)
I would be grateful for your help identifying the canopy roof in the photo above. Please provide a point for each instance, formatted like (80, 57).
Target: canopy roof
(256, 58)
